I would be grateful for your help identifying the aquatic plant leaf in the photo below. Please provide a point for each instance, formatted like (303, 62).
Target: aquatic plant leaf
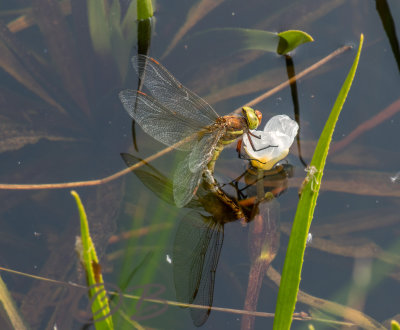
(14, 136)
(9, 308)
(292, 39)
(129, 25)
(395, 325)
(119, 48)
(295, 252)
(390, 28)
(99, 27)
(21, 122)
(195, 14)
(62, 49)
(129, 21)
(232, 40)
(144, 9)
(90, 262)
(13, 66)
(102, 204)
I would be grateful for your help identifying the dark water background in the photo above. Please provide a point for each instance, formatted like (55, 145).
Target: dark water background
(353, 258)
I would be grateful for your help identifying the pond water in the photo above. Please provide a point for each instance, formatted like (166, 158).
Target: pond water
(62, 122)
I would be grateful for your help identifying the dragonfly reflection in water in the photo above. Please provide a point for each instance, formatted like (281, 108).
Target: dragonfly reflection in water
(174, 114)
(200, 234)
(199, 240)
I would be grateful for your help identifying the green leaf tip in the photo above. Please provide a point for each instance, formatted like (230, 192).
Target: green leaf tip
(291, 39)
(395, 325)
(87, 254)
(144, 9)
(79, 204)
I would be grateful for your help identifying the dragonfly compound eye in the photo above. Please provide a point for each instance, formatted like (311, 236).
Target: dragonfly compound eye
(252, 117)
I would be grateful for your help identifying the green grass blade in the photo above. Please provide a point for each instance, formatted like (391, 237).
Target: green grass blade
(90, 262)
(9, 308)
(290, 282)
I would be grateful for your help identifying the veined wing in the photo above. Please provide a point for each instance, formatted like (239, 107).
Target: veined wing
(204, 149)
(185, 183)
(188, 174)
(197, 248)
(171, 93)
(162, 123)
(160, 185)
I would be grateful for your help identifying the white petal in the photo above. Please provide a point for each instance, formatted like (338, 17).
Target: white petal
(282, 124)
(273, 143)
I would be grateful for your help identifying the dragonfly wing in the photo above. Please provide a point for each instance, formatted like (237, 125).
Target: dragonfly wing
(157, 120)
(185, 183)
(205, 293)
(171, 93)
(188, 174)
(204, 149)
(197, 248)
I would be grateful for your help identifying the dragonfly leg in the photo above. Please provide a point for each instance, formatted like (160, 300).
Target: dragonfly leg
(241, 156)
(249, 134)
(252, 134)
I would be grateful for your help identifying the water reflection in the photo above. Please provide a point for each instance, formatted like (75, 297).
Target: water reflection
(200, 233)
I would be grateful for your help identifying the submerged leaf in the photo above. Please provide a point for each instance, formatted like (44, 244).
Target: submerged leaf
(21, 122)
(62, 49)
(11, 62)
(129, 24)
(196, 13)
(99, 27)
(232, 40)
(252, 39)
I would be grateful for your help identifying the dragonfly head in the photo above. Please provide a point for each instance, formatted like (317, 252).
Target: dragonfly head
(253, 117)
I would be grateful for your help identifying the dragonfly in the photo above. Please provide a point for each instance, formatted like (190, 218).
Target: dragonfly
(200, 234)
(176, 116)
(197, 248)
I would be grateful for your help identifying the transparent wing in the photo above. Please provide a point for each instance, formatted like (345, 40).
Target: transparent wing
(197, 248)
(188, 174)
(151, 178)
(203, 151)
(171, 93)
(185, 183)
(158, 121)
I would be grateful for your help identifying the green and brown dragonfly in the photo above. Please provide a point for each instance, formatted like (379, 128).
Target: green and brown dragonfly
(176, 116)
